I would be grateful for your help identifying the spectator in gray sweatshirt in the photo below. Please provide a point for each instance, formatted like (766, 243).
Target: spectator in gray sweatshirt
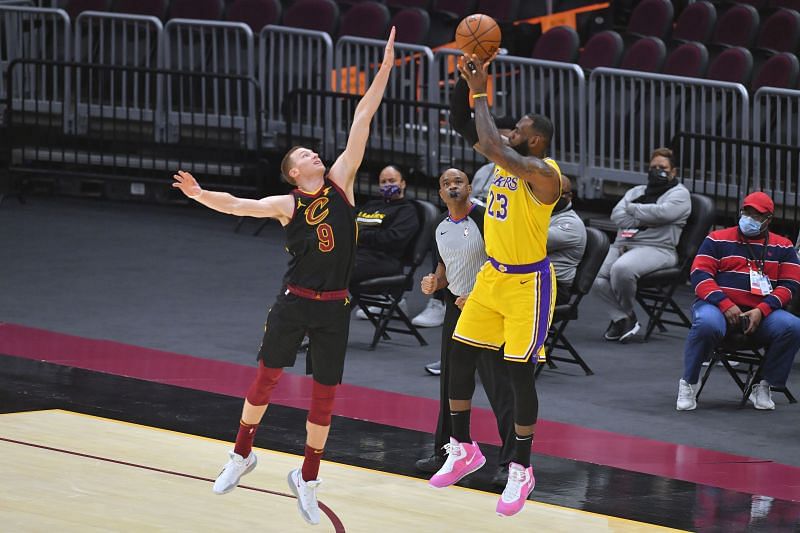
(566, 241)
(649, 219)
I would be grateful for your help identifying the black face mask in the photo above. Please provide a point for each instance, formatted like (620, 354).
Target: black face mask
(562, 203)
(657, 176)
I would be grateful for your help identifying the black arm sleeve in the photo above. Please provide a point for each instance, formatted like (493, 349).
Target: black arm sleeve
(461, 115)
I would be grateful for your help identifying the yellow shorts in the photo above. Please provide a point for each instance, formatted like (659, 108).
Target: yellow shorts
(510, 309)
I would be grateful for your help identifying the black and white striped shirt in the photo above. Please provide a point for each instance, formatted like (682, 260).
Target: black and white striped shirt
(460, 246)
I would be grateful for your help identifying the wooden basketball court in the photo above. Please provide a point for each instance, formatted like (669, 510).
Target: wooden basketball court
(65, 471)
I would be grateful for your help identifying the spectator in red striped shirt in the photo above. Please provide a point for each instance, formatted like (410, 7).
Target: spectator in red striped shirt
(744, 278)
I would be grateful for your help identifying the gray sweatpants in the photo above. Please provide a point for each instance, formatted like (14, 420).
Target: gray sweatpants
(616, 281)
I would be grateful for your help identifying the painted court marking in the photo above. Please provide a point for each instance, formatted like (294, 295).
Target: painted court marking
(337, 523)
(74, 494)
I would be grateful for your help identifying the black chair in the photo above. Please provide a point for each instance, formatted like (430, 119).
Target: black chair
(656, 289)
(744, 350)
(597, 245)
(386, 292)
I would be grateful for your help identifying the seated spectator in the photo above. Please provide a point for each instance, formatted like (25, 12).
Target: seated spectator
(649, 219)
(386, 226)
(458, 239)
(744, 278)
(566, 241)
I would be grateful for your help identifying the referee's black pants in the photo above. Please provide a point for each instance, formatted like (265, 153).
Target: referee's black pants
(494, 377)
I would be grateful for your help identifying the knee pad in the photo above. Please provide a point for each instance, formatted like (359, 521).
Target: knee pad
(260, 390)
(322, 397)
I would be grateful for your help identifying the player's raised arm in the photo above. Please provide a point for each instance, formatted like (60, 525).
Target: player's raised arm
(544, 179)
(277, 207)
(344, 169)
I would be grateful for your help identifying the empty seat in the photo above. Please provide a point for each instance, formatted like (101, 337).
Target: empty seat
(651, 18)
(457, 9)
(696, 23)
(366, 19)
(758, 4)
(780, 32)
(196, 9)
(558, 44)
(604, 49)
(734, 65)
(412, 25)
(780, 71)
(689, 60)
(738, 26)
(446, 14)
(788, 4)
(76, 7)
(402, 4)
(645, 55)
(319, 15)
(152, 8)
(499, 10)
(255, 13)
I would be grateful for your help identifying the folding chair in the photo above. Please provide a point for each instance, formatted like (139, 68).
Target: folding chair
(655, 290)
(597, 245)
(742, 349)
(386, 292)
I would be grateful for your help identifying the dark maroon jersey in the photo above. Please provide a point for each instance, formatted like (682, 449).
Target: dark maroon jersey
(321, 238)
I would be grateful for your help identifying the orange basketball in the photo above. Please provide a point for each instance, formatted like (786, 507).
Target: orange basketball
(478, 34)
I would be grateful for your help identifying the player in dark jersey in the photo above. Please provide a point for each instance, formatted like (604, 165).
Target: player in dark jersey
(319, 219)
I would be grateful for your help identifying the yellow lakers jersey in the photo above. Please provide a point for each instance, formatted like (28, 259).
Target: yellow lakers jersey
(515, 223)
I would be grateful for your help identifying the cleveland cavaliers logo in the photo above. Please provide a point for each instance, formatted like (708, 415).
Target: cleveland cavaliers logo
(317, 211)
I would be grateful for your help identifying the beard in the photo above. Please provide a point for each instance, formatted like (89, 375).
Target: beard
(522, 149)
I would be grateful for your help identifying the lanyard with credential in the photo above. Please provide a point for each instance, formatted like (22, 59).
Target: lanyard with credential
(763, 254)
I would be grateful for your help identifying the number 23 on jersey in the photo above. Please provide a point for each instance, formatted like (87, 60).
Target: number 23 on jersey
(498, 206)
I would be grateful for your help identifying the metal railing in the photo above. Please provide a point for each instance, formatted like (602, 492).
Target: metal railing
(34, 33)
(386, 144)
(122, 142)
(632, 113)
(755, 164)
(289, 59)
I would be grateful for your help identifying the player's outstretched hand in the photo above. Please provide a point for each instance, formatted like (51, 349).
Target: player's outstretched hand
(388, 54)
(475, 72)
(187, 184)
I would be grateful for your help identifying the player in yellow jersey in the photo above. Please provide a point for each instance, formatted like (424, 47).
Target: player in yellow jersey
(512, 301)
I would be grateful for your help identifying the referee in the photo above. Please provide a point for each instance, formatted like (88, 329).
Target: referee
(460, 247)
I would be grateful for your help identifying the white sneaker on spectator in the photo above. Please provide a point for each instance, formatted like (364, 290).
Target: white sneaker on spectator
(687, 394)
(361, 315)
(761, 396)
(719, 363)
(432, 316)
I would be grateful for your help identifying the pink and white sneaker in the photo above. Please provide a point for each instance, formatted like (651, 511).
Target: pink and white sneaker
(462, 460)
(519, 487)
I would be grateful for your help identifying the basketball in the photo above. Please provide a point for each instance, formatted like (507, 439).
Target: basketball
(478, 34)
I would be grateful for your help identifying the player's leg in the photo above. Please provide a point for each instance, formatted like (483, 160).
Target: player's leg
(493, 372)
(526, 411)
(282, 337)
(327, 345)
(527, 323)
(478, 327)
